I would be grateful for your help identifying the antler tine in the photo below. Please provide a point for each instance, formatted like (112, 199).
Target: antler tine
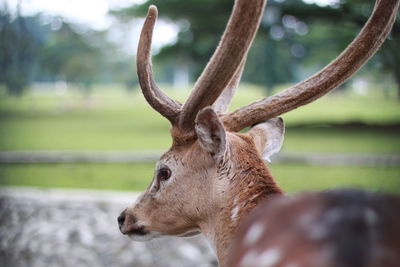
(166, 106)
(339, 70)
(221, 105)
(231, 51)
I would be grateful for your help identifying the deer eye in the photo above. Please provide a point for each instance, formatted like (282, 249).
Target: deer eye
(163, 174)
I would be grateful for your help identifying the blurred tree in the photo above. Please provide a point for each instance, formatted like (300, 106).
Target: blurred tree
(299, 34)
(83, 57)
(330, 38)
(70, 56)
(390, 55)
(124, 71)
(18, 50)
(47, 50)
(200, 22)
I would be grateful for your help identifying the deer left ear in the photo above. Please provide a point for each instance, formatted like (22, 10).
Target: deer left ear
(211, 132)
(268, 137)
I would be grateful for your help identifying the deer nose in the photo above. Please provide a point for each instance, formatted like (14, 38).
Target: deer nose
(121, 219)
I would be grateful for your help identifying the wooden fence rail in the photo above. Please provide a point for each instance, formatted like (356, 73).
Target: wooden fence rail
(153, 155)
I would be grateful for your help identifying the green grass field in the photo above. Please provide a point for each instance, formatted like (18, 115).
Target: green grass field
(117, 120)
(113, 119)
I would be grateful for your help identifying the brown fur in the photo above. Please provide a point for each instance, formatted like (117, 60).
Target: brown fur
(334, 228)
(214, 185)
(250, 182)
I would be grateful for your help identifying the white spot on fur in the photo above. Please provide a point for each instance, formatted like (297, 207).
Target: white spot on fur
(254, 234)
(269, 257)
(317, 231)
(253, 197)
(306, 219)
(235, 210)
(249, 259)
(370, 216)
(313, 228)
(334, 215)
(234, 213)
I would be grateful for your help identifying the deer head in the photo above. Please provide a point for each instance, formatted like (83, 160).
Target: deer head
(212, 175)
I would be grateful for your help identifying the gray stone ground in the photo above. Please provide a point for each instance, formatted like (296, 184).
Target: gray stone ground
(79, 228)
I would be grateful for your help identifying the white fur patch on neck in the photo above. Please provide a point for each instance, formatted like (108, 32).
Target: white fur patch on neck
(235, 210)
(234, 213)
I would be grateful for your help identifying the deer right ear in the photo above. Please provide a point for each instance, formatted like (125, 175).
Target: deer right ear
(268, 137)
(210, 132)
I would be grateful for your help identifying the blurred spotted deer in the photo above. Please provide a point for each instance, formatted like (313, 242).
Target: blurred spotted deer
(213, 176)
(343, 228)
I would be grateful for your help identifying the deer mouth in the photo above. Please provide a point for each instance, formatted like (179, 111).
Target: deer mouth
(128, 225)
(138, 230)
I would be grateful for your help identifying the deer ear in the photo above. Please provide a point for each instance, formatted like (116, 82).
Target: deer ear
(268, 137)
(210, 132)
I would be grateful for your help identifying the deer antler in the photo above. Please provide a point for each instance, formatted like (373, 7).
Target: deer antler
(339, 70)
(224, 70)
(221, 105)
(166, 106)
(225, 62)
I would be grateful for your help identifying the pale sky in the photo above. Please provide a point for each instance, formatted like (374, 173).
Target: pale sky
(322, 2)
(89, 12)
(93, 14)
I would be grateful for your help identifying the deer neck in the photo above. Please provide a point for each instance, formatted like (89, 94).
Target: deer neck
(241, 184)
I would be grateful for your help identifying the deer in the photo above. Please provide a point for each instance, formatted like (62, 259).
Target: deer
(340, 227)
(213, 175)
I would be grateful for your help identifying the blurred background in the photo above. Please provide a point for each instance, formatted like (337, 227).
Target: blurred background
(68, 84)
(72, 115)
